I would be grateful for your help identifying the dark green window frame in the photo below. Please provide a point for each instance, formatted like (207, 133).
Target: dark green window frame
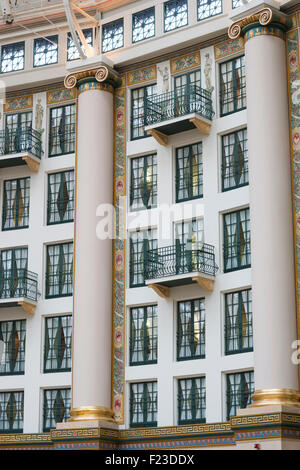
(143, 25)
(232, 86)
(58, 344)
(62, 130)
(237, 247)
(209, 8)
(240, 387)
(143, 182)
(59, 276)
(173, 10)
(56, 409)
(13, 335)
(72, 52)
(143, 335)
(191, 400)
(143, 404)
(236, 3)
(13, 272)
(16, 201)
(191, 329)
(139, 247)
(235, 160)
(45, 50)
(113, 35)
(12, 57)
(189, 172)
(238, 322)
(138, 118)
(12, 416)
(60, 206)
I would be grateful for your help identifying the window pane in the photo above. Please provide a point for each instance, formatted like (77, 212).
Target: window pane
(143, 25)
(238, 322)
(143, 335)
(12, 57)
(73, 53)
(237, 240)
(176, 14)
(57, 404)
(12, 336)
(191, 329)
(45, 51)
(240, 387)
(143, 404)
(235, 160)
(15, 210)
(137, 110)
(112, 35)
(58, 344)
(140, 242)
(236, 3)
(11, 412)
(60, 197)
(143, 189)
(62, 130)
(13, 271)
(59, 276)
(207, 8)
(233, 86)
(191, 400)
(189, 172)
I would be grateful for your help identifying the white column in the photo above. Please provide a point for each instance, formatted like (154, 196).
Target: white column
(92, 315)
(272, 252)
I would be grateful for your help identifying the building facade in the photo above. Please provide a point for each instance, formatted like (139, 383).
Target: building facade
(149, 225)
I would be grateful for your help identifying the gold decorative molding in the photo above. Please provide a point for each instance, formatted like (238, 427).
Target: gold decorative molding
(141, 75)
(162, 291)
(206, 284)
(276, 396)
(101, 74)
(89, 413)
(32, 164)
(264, 17)
(18, 103)
(186, 62)
(28, 307)
(58, 96)
(202, 126)
(161, 138)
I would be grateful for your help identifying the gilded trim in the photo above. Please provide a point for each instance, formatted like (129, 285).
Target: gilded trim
(228, 48)
(58, 96)
(88, 413)
(185, 62)
(141, 75)
(18, 103)
(264, 31)
(277, 396)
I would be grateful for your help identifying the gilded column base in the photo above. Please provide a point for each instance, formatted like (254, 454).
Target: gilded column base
(91, 413)
(276, 396)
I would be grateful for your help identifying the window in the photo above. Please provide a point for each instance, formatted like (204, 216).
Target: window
(62, 130)
(112, 35)
(235, 160)
(11, 412)
(57, 404)
(236, 3)
(59, 276)
(176, 14)
(73, 53)
(138, 110)
(191, 400)
(143, 188)
(143, 335)
(45, 51)
(140, 243)
(233, 86)
(189, 172)
(143, 404)
(238, 322)
(13, 273)
(208, 8)
(15, 210)
(143, 25)
(191, 330)
(18, 133)
(240, 387)
(237, 240)
(189, 238)
(60, 197)
(58, 344)
(12, 57)
(12, 338)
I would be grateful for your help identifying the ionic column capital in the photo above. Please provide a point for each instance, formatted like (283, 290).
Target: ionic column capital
(102, 77)
(263, 22)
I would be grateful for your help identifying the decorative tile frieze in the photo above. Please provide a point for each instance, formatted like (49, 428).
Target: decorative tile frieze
(141, 75)
(228, 48)
(185, 62)
(18, 103)
(58, 96)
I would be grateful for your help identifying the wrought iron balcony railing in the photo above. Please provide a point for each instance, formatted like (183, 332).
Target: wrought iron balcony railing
(180, 102)
(20, 284)
(180, 259)
(20, 140)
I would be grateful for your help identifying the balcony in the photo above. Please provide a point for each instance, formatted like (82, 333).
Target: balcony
(19, 289)
(21, 146)
(177, 265)
(185, 108)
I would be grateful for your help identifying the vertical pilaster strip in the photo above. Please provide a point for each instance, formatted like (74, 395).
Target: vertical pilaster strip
(293, 70)
(119, 278)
